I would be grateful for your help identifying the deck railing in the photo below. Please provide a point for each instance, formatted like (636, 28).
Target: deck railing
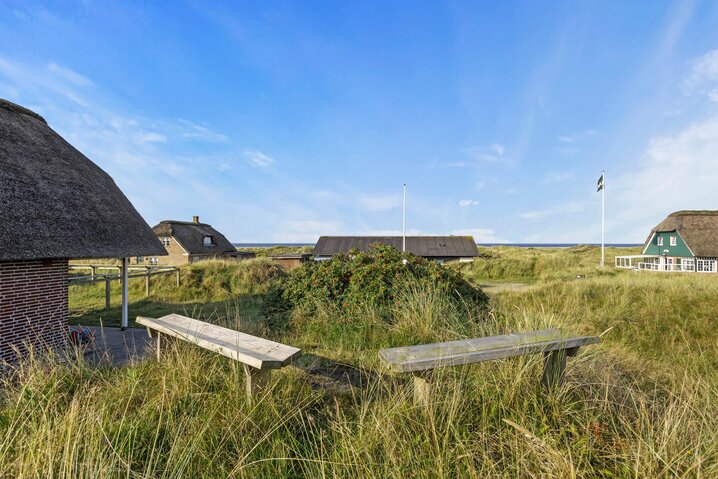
(132, 272)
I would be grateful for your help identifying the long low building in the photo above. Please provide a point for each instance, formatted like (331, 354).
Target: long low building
(437, 248)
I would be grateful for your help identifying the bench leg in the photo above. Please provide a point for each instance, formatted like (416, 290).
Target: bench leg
(554, 368)
(158, 344)
(256, 380)
(422, 388)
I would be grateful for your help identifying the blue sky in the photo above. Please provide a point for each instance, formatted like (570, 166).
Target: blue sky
(283, 121)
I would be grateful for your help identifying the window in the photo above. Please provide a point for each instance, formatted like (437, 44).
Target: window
(688, 264)
(208, 241)
(660, 241)
(674, 241)
(153, 260)
(165, 241)
(140, 259)
(706, 265)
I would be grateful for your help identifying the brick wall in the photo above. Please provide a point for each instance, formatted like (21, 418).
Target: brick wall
(176, 255)
(33, 305)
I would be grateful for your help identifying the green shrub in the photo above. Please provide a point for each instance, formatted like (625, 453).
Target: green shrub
(355, 282)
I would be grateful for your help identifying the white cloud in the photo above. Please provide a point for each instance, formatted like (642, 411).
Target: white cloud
(493, 153)
(676, 172)
(258, 159)
(151, 137)
(481, 235)
(558, 209)
(557, 177)
(380, 202)
(70, 75)
(305, 231)
(576, 137)
(703, 78)
(498, 148)
(465, 203)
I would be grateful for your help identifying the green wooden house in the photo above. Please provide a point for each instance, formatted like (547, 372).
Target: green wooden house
(686, 241)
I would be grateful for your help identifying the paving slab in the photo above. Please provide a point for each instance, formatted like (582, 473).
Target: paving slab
(117, 346)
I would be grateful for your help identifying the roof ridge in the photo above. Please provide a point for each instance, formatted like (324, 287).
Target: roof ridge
(694, 213)
(188, 223)
(15, 108)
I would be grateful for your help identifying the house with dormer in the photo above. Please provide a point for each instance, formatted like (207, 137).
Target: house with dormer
(189, 242)
(686, 241)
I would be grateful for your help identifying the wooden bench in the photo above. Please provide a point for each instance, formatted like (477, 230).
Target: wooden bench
(257, 355)
(421, 360)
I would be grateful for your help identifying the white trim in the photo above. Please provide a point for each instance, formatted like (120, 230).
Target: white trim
(180, 245)
(648, 243)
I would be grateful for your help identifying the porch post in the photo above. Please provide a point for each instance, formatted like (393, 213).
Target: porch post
(125, 264)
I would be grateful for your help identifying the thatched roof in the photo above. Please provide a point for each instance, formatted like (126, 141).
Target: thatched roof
(699, 229)
(56, 203)
(191, 236)
(426, 246)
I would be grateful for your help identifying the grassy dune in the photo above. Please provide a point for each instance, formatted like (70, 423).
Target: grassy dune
(210, 289)
(644, 403)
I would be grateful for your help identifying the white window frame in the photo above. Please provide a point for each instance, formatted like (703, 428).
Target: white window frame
(153, 260)
(165, 241)
(659, 241)
(674, 240)
(208, 241)
(706, 265)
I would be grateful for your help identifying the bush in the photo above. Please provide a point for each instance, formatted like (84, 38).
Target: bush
(355, 282)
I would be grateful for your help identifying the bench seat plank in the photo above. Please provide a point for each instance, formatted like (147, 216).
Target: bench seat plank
(467, 351)
(256, 352)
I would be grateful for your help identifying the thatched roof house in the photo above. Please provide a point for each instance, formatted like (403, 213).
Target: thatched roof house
(698, 230)
(686, 241)
(56, 204)
(439, 248)
(192, 241)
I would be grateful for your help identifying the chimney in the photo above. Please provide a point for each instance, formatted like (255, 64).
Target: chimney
(195, 220)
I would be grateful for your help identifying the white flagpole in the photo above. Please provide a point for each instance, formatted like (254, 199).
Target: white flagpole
(403, 227)
(603, 215)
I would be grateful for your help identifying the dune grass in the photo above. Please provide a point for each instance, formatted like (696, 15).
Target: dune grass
(205, 290)
(644, 403)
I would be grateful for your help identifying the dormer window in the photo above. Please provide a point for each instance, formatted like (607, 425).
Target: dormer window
(208, 241)
(674, 241)
(660, 241)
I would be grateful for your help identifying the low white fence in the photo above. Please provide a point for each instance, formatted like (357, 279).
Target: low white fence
(653, 263)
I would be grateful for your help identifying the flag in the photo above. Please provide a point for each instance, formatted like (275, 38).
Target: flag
(599, 185)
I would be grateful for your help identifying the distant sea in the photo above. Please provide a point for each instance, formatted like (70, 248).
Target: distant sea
(521, 245)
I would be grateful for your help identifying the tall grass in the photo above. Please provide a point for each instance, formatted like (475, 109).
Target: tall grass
(644, 403)
(205, 288)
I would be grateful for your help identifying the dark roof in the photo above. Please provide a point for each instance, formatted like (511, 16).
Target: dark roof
(56, 203)
(191, 236)
(426, 246)
(699, 229)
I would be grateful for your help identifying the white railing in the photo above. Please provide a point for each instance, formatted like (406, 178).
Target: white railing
(678, 268)
(653, 263)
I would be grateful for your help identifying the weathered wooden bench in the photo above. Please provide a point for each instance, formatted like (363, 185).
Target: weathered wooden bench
(421, 360)
(257, 355)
